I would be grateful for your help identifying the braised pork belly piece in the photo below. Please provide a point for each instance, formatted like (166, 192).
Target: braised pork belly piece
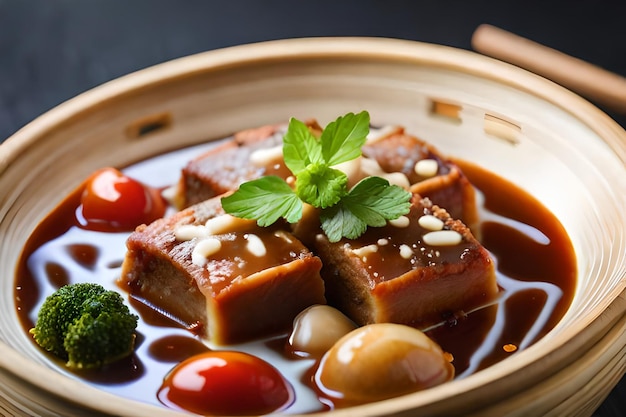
(248, 155)
(226, 278)
(420, 270)
(226, 166)
(427, 171)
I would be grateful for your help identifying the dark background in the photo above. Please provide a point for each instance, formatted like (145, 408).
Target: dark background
(52, 50)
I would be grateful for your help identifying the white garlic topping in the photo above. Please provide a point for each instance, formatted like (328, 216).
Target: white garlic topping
(382, 242)
(225, 223)
(365, 250)
(405, 251)
(442, 238)
(255, 245)
(400, 222)
(187, 232)
(426, 168)
(370, 167)
(430, 222)
(266, 156)
(397, 178)
(203, 249)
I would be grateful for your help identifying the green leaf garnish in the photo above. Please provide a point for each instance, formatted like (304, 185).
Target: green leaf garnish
(372, 202)
(265, 200)
(320, 185)
(342, 139)
(375, 201)
(338, 221)
(300, 147)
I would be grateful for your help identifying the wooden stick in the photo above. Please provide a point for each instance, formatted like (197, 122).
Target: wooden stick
(597, 84)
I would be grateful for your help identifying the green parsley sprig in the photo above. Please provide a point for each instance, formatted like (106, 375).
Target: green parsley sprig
(343, 213)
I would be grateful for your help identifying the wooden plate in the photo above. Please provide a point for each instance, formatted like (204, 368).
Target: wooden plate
(549, 141)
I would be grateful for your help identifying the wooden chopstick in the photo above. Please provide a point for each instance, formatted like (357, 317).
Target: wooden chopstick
(603, 87)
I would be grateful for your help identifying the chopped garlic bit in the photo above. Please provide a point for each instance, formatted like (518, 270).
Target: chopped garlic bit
(370, 167)
(426, 168)
(406, 252)
(187, 232)
(442, 238)
(397, 178)
(365, 250)
(255, 245)
(266, 156)
(400, 222)
(430, 222)
(382, 242)
(203, 249)
(225, 223)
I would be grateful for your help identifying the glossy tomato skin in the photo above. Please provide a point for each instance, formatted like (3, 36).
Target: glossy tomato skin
(226, 383)
(112, 201)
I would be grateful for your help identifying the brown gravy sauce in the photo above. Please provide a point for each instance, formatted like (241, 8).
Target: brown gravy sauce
(536, 270)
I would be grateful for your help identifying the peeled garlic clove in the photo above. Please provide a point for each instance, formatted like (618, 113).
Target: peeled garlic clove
(316, 329)
(381, 361)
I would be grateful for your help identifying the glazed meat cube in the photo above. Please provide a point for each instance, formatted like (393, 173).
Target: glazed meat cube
(226, 278)
(226, 166)
(417, 270)
(429, 174)
(248, 155)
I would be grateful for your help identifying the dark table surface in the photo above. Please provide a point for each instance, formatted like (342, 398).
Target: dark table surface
(52, 50)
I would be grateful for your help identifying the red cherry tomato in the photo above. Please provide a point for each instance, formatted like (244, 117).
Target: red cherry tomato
(226, 383)
(112, 201)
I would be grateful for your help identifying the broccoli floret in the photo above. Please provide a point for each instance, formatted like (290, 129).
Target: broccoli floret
(86, 325)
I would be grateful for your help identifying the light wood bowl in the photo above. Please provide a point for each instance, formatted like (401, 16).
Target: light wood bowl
(549, 141)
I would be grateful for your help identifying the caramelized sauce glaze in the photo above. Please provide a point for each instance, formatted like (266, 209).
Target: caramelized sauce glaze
(386, 263)
(536, 272)
(234, 261)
